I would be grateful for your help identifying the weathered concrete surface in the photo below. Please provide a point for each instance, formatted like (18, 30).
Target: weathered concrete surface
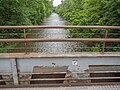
(76, 62)
(59, 55)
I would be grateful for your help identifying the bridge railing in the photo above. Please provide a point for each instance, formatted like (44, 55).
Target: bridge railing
(25, 39)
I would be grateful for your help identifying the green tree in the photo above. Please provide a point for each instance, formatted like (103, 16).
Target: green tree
(22, 12)
(91, 12)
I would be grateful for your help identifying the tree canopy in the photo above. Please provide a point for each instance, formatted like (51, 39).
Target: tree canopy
(24, 12)
(92, 12)
(21, 12)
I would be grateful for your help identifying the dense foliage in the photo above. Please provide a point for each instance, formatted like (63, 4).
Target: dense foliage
(22, 12)
(92, 12)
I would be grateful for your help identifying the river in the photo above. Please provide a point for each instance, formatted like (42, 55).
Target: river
(50, 47)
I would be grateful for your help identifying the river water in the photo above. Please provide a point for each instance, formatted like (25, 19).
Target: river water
(50, 47)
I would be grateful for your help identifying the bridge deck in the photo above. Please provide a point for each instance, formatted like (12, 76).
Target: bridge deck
(79, 67)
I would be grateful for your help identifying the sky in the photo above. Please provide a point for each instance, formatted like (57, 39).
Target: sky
(56, 2)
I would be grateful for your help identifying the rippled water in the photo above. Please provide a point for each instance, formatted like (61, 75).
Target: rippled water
(50, 47)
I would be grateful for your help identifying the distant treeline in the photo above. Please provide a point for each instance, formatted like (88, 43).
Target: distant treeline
(92, 12)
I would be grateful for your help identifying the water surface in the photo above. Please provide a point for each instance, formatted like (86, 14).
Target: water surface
(50, 47)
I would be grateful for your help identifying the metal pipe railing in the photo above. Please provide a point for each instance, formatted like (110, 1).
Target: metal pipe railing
(103, 40)
(66, 27)
(62, 40)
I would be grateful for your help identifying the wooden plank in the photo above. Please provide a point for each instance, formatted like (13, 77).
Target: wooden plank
(93, 71)
(50, 79)
(104, 67)
(43, 73)
(5, 73)
(6, 80)
(48, 70)
(66, 72)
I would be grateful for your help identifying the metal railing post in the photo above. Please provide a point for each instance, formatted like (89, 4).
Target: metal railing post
(104, 43)
(25, 37)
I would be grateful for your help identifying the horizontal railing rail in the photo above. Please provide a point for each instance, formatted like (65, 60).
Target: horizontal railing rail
(66, 27)
(62, 40)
